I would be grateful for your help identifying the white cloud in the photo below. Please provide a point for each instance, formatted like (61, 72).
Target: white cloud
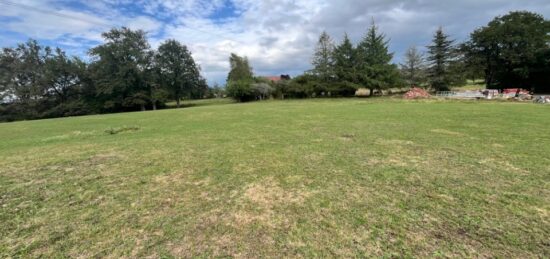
(143, 23)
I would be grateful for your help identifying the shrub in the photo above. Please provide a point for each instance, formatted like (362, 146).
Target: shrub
(240, 90)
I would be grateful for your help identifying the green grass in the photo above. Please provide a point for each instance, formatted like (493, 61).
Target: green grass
(314, 178)
(201, 102)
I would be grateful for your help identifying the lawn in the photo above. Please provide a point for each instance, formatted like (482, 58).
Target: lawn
(313, 178)
(201, 102)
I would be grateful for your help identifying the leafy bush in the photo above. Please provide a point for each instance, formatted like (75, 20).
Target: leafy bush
(240, 90)
(262, 90)
(302, 86)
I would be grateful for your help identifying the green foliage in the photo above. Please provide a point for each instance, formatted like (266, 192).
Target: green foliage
(22, 71)
(177, 71)
(240, 79)
(375, 68)
(323, 61)
(125, 74)
(249, 90)
(240, 69)
(514, 50)
(262, 90)
(39, 83)
(240, 90)
(302, 86)
(62, 76)
(216, 92)
(474, 65)
(373, 49)
(445, 69)
(119, 69)
(346, 64)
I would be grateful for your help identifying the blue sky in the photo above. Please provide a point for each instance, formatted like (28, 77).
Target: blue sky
(278, 36)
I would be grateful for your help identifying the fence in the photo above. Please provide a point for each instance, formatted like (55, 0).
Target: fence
(461, 95)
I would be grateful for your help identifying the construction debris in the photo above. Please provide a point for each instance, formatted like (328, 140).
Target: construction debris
(491, 93)
(461, 95)
(512, 93)
(542, 99)
(416, 93)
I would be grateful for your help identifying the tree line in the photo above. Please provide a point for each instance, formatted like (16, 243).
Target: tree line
(512, 51)
(124, 74)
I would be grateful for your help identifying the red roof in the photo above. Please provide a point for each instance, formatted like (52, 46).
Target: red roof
(273, 78)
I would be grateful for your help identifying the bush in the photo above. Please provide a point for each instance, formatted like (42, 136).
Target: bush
(302, 86)
(344, 89)
(240, 90)
(262, 90)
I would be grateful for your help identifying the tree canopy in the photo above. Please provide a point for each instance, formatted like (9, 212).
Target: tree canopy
(124, 74)
(176, 69)
(376, 70)
(323, 59)
(514, 49)
(240, 78)
(240, 68)
(413, 69)
(440, 55)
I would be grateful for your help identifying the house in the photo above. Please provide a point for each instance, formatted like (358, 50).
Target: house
(275, 79)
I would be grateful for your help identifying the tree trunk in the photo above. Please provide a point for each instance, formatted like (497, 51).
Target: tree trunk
(178, 102)
(154, 105)
(142, 107)
(371, 92)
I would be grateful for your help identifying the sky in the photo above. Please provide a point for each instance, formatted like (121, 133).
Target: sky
(278, 36)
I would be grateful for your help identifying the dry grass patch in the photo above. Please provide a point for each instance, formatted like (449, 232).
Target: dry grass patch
(263, 202)
(268, 193)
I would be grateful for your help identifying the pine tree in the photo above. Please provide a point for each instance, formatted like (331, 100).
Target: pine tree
(345, 61)
(440, 56)
(374, 61)
(413, 70)
(323, 63)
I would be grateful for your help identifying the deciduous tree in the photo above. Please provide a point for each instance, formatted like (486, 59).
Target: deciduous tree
(119, 69)
(515, 51)
(240, 79)
(177, 69)
(413, 69)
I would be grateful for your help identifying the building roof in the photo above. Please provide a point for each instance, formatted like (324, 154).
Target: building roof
(273, 78)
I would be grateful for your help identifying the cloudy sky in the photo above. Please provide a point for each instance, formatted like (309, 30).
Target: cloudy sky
(278, 36)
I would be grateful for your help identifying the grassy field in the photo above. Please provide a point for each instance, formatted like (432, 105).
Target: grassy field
(314, 178)
(201, 102)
